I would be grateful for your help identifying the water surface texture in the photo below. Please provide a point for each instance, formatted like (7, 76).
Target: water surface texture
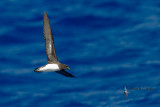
(107, 44)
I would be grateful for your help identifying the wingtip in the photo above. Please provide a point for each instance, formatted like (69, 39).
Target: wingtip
(73, 76)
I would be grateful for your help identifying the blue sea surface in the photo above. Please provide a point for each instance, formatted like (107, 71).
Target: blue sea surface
(108, 44)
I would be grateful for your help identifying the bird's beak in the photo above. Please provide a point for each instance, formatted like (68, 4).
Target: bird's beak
(68, 68)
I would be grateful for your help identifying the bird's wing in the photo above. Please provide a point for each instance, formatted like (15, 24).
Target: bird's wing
(127, 96)
(125, 88)
(65, 73)
(49, 42)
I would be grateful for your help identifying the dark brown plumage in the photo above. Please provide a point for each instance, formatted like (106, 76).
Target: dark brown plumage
(49, 41)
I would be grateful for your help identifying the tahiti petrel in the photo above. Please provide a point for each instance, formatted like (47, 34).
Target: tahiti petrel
(53, 65)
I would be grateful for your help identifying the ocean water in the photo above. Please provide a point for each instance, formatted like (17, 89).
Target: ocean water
(108, 44)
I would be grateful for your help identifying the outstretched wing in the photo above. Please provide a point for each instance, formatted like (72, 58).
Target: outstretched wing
(127, 96)
(65, 73)
(49, 42)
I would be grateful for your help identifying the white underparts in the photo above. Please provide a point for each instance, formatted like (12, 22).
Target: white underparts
(49, 68)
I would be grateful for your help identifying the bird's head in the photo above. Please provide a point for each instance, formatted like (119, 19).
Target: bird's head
(66, 67)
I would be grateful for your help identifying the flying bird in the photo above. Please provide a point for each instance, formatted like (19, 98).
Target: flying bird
(126, 92)
(53, 65)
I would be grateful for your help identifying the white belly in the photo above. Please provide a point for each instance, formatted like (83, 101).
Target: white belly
(49, 67)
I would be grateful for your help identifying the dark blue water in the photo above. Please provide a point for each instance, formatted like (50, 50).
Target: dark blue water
(107, 44)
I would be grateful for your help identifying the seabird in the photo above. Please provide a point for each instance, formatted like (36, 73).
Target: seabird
(126, 92)
(53, 65)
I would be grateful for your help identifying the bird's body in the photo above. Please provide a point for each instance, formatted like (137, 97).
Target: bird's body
(49, 68)
(53, 65)
(126, 92)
